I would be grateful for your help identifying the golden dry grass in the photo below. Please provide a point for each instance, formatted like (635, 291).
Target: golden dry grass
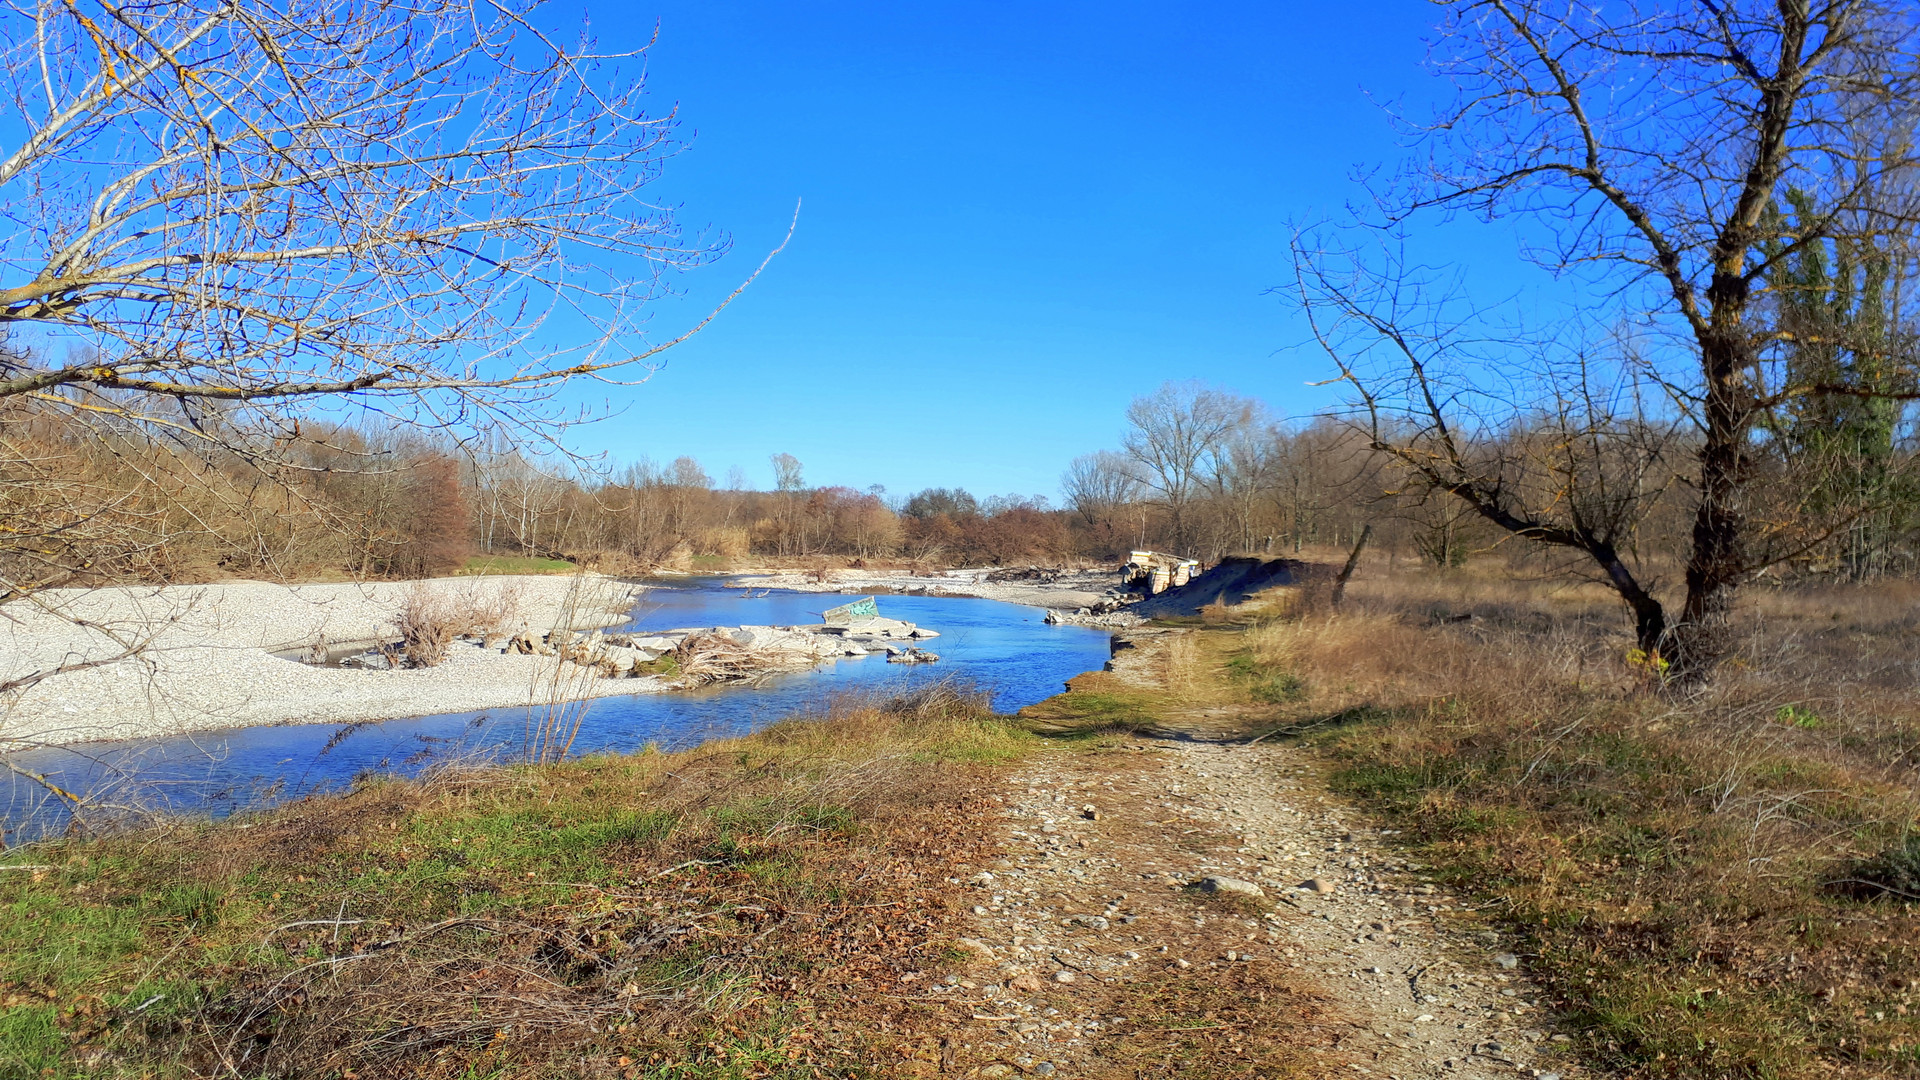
(1678, 861)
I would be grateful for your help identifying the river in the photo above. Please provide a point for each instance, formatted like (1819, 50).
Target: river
(1005, 649)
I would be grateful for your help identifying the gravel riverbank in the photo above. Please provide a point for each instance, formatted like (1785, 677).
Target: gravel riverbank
(168, 660)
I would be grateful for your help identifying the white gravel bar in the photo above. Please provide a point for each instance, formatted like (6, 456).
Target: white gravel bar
(202, 656)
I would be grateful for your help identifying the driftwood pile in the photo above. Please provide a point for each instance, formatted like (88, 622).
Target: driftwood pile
(705, 658)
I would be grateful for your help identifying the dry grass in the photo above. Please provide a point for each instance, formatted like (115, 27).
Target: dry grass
(700, 914)
(1680, 863)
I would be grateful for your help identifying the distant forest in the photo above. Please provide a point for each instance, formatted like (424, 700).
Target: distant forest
(1199, 471)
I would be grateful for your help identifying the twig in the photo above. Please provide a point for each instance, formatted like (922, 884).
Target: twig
(315, 922)
(684, 865)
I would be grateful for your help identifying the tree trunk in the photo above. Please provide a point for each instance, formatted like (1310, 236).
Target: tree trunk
(1649, 615)
(1716, 561)
(1353, 561)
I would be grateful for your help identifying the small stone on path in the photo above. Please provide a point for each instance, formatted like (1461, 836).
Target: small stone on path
(1233, 886)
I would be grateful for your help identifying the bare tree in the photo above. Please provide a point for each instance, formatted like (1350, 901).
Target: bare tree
(237, 204)
(1244, 473)
(1537, 435)
(1176, 438)
(1101, 488)
(1651, 146)
(789, 525)
(787, 475)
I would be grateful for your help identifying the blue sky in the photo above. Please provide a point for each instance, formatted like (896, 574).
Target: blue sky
(1016, 218)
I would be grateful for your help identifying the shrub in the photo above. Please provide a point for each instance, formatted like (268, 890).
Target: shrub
(426, 626)
(1894, 873)
(430, 618)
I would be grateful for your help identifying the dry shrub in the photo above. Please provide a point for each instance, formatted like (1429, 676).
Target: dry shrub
(1183, 664)
(426, 625)
(491, 611)
(433, 615)
(946, 698)
(728, 542)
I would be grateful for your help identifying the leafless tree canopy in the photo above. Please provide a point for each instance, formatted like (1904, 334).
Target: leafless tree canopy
(1653, 152)
(1181, 436)
(232, 203)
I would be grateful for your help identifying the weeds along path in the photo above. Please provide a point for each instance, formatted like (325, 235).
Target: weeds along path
(1106, 960)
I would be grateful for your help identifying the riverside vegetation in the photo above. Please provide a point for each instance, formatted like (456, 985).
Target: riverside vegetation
(1715, 882)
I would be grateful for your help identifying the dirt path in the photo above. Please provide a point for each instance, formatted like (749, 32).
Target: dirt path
(1100, 957)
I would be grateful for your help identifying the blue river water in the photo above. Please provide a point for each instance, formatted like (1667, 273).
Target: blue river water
(1004, 649)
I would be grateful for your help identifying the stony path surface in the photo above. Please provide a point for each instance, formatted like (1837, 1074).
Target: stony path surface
(1373, 973)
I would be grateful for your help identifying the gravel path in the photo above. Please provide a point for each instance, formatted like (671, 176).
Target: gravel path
(1374, 976)
(203, 655)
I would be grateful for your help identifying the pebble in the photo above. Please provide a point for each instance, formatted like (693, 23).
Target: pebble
(1063, 976)
(1317, 885)
(996, 1071)
(1233, 886)
(1507, 961)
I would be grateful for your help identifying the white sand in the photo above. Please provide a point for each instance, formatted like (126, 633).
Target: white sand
(204, 656)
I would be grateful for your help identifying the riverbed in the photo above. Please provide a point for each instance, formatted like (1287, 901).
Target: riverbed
(1005, 649)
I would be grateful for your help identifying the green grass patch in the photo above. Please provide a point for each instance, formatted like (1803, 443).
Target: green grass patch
(514, 564)
(1268, 684)
(1094, 711)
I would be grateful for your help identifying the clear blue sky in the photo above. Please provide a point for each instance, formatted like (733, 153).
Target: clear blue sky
(1016, 218)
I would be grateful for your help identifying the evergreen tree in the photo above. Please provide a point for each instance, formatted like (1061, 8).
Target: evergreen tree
(1836, 316)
